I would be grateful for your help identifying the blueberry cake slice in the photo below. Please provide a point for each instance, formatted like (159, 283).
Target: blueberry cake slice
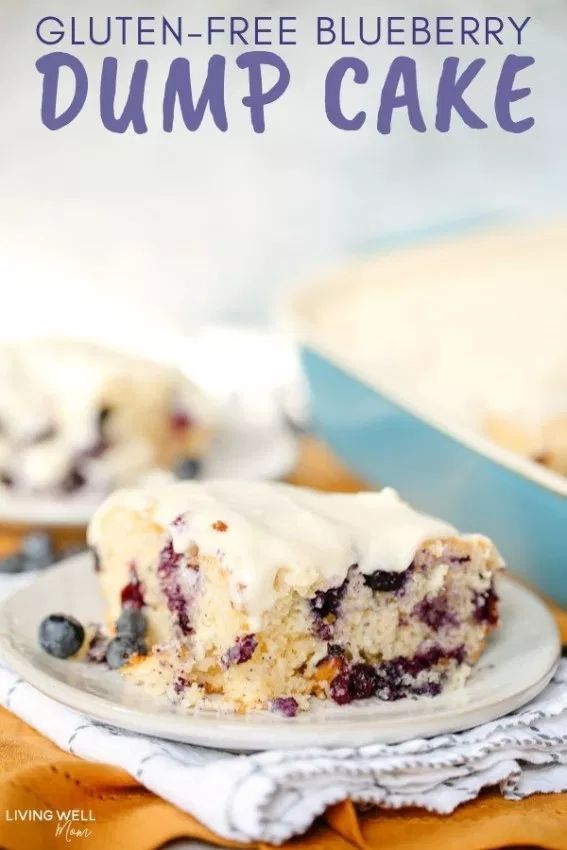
(75, 416)
(262, 595)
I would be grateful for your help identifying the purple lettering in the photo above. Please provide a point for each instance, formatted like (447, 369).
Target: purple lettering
(442, 30)
(178, 87)
(287, 30)
(394, 30)
(238, 26)
(421, 25)
(450, 94)
(519, 27)
(402, 70)
(50, 65)
(333, 85)
(506, 94)
(50, 35)
(325, 25)
(259, 98)
(494, 27)
(469, 28)
(133, 112)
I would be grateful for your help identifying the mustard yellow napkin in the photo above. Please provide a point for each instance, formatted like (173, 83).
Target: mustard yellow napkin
(35, 776)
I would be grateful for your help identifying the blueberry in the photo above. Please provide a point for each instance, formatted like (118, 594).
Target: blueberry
(122, 648)
(180, 421)
(132, 623)
(359, 682)
(132, 595)
(327, 602)
(486, 607)
(429, 689)
(36, 550)
(384, 581)
(398, 677)
(12, 564)
(60, 635)
(242, 651)
(187, 468)
(180, 684)
(285, 705)
(340, 690)
(177, 602)
(169, 561)
(73, 481)
(435, 612)
(363, 681)
(325, 605)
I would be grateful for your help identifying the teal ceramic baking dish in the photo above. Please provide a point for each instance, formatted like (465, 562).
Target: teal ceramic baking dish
(440, 468)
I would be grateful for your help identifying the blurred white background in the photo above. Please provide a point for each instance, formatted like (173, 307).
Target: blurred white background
(187, 228)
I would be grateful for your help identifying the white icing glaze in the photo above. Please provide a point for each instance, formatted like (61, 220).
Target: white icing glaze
(278, 536)
(466, 332)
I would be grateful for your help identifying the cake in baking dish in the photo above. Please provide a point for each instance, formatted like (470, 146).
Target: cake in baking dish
(544, 442)
(75, 416)
(261, 595)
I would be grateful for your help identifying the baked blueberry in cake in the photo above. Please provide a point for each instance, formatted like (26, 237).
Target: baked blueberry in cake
(263, 595)
(76, 416)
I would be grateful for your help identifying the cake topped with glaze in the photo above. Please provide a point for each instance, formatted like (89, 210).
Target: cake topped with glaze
(80, 416)
(264, 595)
(274, 537)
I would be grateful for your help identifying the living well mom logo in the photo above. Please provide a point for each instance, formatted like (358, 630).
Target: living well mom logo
(68, 824)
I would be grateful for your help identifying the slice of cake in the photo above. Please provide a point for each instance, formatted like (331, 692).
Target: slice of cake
(262, 595)
(75, 416)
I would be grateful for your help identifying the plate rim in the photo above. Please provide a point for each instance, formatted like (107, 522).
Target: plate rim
(251, 732)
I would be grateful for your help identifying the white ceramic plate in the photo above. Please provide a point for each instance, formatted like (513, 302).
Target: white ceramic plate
(518, 663)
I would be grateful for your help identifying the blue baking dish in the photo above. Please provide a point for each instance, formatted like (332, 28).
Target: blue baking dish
(441, 469)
